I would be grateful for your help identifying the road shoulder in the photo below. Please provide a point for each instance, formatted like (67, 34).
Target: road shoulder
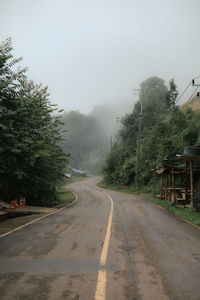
(32, 214)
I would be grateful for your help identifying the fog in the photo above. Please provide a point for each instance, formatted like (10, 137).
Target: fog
(93, 52)
(109, 116)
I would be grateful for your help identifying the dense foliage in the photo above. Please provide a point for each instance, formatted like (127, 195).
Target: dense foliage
(150, 135)
(31, 158)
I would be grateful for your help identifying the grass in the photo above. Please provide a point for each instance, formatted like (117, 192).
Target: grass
(107, 186)
(190, 214)
(74, 179)
(64, 196)
(118, 188)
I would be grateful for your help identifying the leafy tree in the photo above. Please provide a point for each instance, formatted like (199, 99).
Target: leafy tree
(113, 166)
(182, 130)
(32, 161)
(171, 95)
(153, 99)
(164, 133)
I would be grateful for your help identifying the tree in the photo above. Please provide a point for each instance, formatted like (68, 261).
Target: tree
(171, 95)
(32, 161)
(164, 133)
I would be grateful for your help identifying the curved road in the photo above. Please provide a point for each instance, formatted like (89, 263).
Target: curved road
(108, 245)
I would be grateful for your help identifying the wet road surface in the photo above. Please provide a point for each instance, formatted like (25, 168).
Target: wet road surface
(89, 251)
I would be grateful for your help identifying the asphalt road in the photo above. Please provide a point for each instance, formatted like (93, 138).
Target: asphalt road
(108, 245)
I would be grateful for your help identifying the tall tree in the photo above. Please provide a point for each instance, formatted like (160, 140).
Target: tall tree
(171, 95)
(31, 158)
(162, 133)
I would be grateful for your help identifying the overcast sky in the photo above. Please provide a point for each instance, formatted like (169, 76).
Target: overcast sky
(96, 51)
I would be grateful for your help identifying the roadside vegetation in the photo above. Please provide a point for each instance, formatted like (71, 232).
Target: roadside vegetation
(188, 213)
(73, 179)
(32, 161)
(155, 130)
(64, 196)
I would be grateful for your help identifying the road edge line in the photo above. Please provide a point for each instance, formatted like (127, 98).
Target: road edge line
(40, 218)
(171, 213)
(161, 207)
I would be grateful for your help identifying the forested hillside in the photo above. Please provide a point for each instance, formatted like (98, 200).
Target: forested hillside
(156, 129)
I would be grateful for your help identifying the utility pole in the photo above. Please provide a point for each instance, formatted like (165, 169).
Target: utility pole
(136, 91)
(194, 83)
(138, 143)
(110, 140)
(111, 143)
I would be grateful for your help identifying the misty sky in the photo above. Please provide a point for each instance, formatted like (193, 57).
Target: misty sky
(96, 51)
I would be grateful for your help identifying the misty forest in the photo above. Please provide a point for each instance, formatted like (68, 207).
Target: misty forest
(124, 142)
(99, 150)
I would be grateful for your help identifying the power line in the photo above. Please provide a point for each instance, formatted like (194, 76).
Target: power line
(183, 92)
(193, 84)
(189, 100)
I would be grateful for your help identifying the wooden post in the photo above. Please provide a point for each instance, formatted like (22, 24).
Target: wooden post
(186, 179)
(155, 181)
(173, 185)
(191, 183)
(162, 187)
(167, 183)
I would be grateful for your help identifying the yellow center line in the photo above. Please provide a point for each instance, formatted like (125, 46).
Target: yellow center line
(100, 293)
